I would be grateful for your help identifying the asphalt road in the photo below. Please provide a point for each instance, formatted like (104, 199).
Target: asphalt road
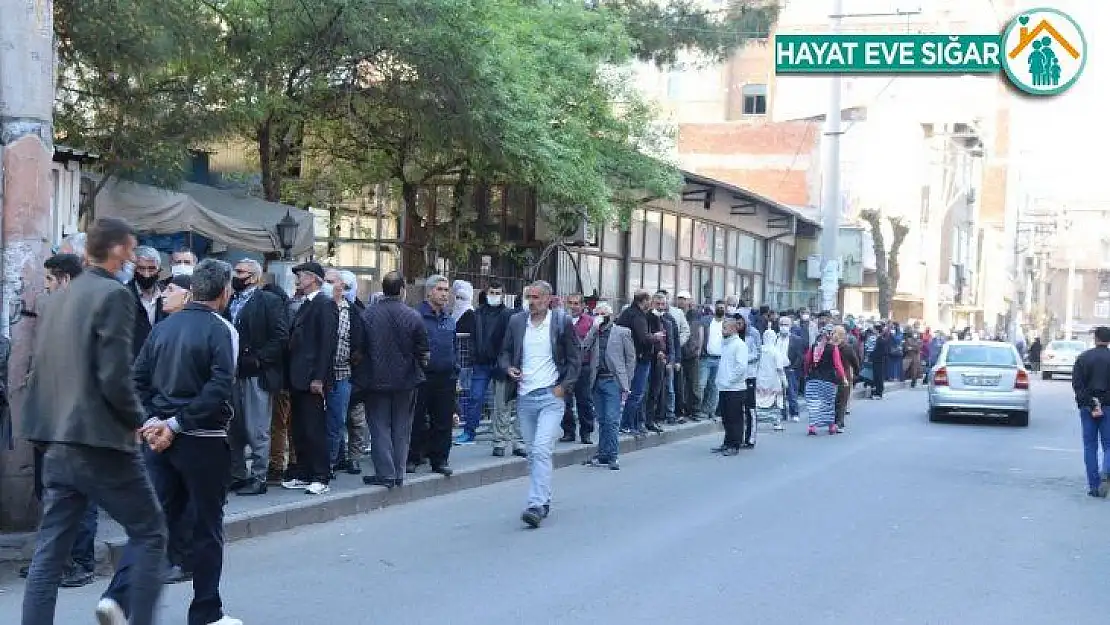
(897, 521)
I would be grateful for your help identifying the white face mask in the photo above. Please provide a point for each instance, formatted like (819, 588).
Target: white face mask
(805, 317)
(784, 329)
(494, 300)
(126, 273)
(328, 289)
(182, 270)
(658, 313)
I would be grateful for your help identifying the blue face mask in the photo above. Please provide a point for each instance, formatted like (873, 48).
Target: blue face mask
(126, 273)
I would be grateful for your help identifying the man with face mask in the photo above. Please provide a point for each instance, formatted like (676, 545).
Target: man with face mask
(490, 322)
(148, 295)
(260, 319)
(712, 333)
(182, 262)
(793, 348)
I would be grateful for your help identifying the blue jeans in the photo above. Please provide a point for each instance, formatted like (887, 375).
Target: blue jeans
(607, 405)
(633, 408)
(541, 414)
(791, 407)
(707, 373)
(339, 396)
(480, 378)
(1095, 431)
(670, 394)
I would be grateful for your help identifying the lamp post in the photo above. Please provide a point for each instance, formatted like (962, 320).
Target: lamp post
(287, 234)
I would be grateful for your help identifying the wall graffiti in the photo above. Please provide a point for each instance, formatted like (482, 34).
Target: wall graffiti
(17, 257)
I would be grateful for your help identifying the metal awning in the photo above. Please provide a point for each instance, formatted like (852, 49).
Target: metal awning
(745, 202)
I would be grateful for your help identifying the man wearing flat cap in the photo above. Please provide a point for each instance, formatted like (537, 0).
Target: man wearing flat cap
(312, 345)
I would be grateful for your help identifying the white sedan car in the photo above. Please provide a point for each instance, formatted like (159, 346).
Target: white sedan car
(980, 378)
(1058, 358)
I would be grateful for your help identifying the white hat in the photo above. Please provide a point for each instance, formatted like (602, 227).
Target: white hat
(684, 295)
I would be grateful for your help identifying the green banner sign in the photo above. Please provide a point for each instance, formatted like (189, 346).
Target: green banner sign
(888, 54)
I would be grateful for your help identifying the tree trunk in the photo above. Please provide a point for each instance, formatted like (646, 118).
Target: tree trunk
(882, 276)
(894, 266)
(414, 263)
(271, 174)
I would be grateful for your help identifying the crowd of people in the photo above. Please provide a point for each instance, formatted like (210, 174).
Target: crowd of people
(210, 379)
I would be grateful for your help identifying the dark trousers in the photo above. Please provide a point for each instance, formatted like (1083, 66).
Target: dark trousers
(433, 420)
(116, 481)
(878, 369)
(730, 404)
(190, 479)
(582, 399)
(842, 393)
(308, 430)
(389, 415)
(656, 404)
(749, 412)
(83, 555)
(688, 381)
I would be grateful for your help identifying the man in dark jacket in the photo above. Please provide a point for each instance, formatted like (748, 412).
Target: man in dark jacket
(263, 327)
(1090, 379)
(687, 377)
(491, 319)
(280, 449)
(148, 294)
(581, 401)
(635, 319)
(82, 408)
(185, 376)
(435, 401)
(311, 355)
(542, 355)
(663, 365)
(397, 353)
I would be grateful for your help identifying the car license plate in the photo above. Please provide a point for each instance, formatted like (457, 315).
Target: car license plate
(973, 380)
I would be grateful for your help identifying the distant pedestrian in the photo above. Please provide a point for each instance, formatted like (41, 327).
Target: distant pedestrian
(612, 383)
(542, 355)
(824, 374)
(1035, 350)
(1090, 379)
(732, 388)
(770, 383)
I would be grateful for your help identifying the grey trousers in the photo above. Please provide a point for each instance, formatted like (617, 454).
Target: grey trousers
(250, 428)
(116, 481)
(505, 424)
(389, 415)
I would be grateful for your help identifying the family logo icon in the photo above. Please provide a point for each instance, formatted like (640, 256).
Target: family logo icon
(1045, 51)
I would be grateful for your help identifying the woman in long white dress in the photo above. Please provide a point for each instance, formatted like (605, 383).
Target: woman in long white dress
(769, 382)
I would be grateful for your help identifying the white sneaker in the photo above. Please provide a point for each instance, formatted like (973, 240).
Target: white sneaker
(294, 484)
(227, 620)
(317, 488)
(108, 612)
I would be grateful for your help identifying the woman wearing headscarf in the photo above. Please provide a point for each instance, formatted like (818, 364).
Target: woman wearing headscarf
(824, 374)
(851, 365)
(466, 326)
(770, 380)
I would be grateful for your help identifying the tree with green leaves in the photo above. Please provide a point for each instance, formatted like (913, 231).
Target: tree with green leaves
(133, 84)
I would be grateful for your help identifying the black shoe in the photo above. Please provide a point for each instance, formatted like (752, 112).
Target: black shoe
(693, 418)
(374, 480)
(410, 467)
(546, 510)
(586, 440)
(342, 465)
(533, 516)
(77, 577)
(237, 484)
(175, 575)
(567, 438)
(443, 469)
(655, 428)
(256, 487)
(520, 453)
(354, 468)
(1094, 493)
(748, 446)
(731, 451)
(719, 450)
(498, 452)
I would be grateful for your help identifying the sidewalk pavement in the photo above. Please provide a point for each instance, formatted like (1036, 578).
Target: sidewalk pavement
(278, 510)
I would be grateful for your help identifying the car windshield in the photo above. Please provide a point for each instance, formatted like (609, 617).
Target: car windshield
(1066, 346)
(988, 355)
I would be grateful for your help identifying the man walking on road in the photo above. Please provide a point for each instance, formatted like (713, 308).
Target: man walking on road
(1090, 379)
(84, 412)
(542, 355)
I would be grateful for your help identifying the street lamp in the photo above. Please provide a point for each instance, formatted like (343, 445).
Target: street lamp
(287, 233)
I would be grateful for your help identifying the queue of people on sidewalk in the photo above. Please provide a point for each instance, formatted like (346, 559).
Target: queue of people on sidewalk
(216, 361)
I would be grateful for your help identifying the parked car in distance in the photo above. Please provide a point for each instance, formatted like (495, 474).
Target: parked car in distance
(984, 378)
(1058, 357)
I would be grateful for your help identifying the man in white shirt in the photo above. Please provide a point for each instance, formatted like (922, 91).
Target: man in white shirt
(731, 374)
(713, 344)
(541, 353)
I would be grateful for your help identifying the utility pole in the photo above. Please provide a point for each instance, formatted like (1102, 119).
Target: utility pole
(26, 154)
(830, 190)
(830, 167)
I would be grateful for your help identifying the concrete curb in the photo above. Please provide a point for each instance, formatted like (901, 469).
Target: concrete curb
(364, 499)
